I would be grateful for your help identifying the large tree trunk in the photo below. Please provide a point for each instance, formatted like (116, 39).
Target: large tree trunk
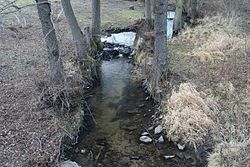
(96, 19)
(55, 61)
(178, 15)
(160, 44)
(78, 37)
(148, 17)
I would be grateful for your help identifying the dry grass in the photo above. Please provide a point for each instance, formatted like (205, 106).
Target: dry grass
(232, 154)
(31, 133)
(215, 57)
(185, 118)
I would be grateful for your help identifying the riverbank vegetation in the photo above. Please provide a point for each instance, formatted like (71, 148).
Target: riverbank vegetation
(32, 128)
(200, 79)
(212, 104)
(205, 93)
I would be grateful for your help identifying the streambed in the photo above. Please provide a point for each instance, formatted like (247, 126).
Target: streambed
(122, 112)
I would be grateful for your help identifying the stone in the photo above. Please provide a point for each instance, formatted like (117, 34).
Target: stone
(134, 157)
(83, 151)
(133, 53)
(168, 156)
(181, 147)
(131, 7)
(153, 116)
(158, 129)
(145, 134)
(69, 164)
(141, 105)
(161, 139)
(151, 128)
(145, 139)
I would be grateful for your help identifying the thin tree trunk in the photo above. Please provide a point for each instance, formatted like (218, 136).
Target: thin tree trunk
(55, 61)
(160, 44)
(78, 37)
(178, 15)
(96, 19)
(192, 10)
(148, 17)
(153, 5)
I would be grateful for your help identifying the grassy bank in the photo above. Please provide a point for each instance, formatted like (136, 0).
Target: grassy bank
(205, 98)
(212, 104)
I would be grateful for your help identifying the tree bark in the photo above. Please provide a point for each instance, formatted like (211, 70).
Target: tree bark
(78, 37)
(178, 15)
(160, 44)
(96, 19)
(153, 5)
(192, 10)
(147, 9)
(55, 61)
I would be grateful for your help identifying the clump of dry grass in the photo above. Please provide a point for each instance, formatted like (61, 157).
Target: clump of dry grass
(185, 119)
(230, 154)
(218, 64)
(218, 38)
(218, 45)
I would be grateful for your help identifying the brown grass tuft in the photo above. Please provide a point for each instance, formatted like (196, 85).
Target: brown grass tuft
(231, 154)
(186, 118)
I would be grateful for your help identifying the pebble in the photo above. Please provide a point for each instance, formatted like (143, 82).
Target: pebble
(169, 156)
(151, 128)
(158, 129)
(83, 151)
(134, 157)
(181, 147)
(131, 7)
(145, 139)
(69, 164)
(141, 105)
(161, 139)
(145, 134)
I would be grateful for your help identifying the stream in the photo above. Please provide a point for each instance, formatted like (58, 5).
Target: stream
(122, 112)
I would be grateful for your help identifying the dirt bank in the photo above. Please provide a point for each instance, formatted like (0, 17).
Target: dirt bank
(31, 133)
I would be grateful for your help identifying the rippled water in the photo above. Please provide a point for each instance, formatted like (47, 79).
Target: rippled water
(123, 38)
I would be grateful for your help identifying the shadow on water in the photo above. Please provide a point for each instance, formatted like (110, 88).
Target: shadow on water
(122, 111)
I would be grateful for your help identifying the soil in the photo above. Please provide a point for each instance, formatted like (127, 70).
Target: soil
(30, 132)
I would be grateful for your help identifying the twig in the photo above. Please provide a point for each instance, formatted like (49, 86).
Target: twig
(89, 110)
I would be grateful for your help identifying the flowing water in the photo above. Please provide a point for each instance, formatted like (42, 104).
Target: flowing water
(122, 111)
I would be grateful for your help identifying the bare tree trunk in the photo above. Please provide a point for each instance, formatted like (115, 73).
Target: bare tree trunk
(178, 15)
(153, 5)
(160, 44)
(55, 61)
(78, 37)
(192, 10)
(147, 9)
(96, 19)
